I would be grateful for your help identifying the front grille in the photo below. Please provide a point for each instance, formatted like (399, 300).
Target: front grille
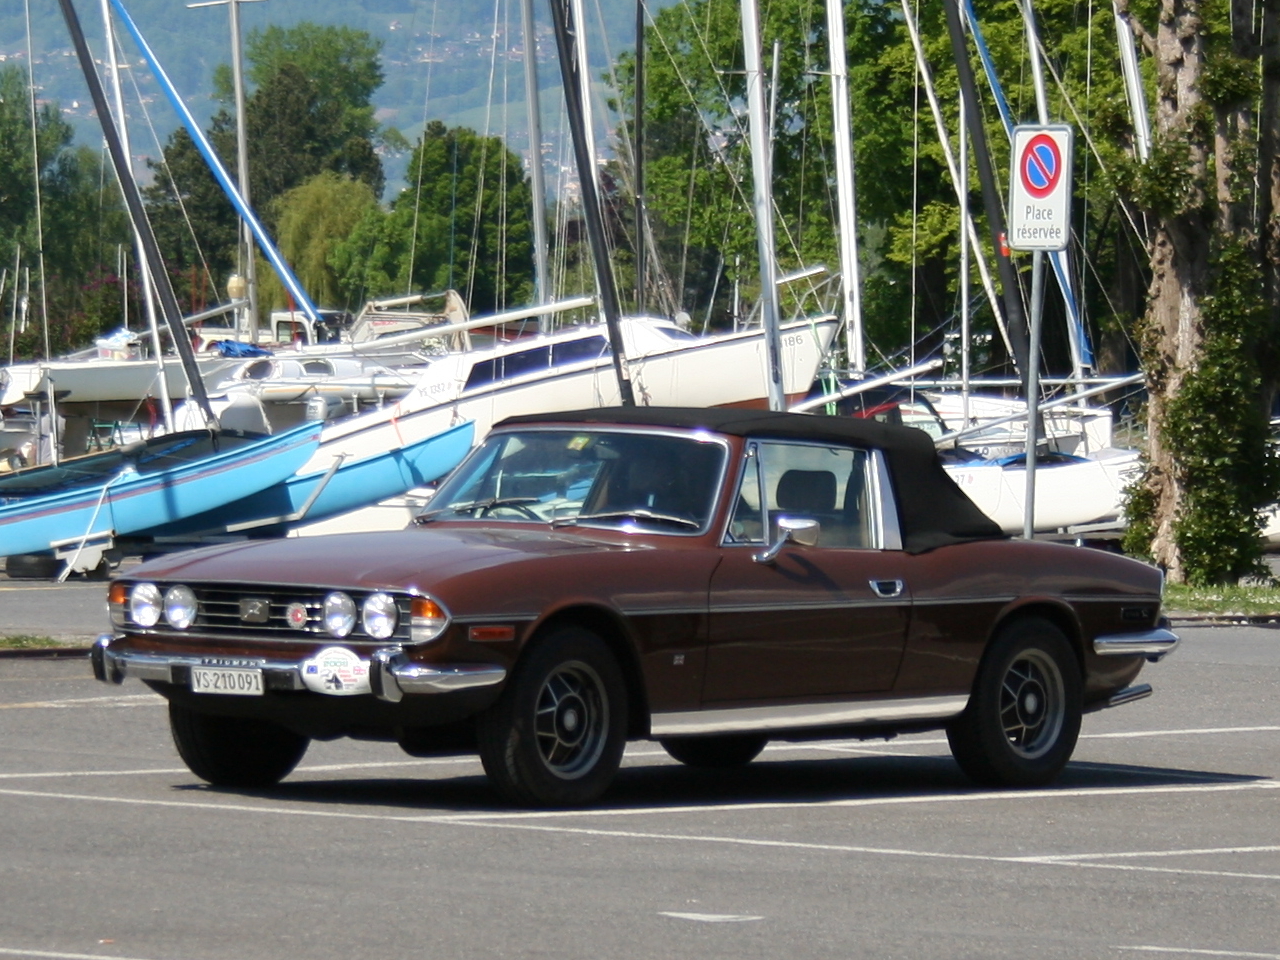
(219, 613)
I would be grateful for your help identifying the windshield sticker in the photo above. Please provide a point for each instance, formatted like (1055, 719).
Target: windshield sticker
(579, 443)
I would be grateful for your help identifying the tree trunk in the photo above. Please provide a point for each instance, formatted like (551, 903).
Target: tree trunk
(1269, 188)
(1179, 259)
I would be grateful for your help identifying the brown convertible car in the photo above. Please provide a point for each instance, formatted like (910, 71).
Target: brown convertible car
(710, 579)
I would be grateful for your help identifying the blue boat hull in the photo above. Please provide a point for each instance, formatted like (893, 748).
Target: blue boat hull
(356, 484)
(130, 501)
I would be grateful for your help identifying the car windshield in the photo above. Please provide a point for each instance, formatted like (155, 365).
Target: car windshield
(655, 482)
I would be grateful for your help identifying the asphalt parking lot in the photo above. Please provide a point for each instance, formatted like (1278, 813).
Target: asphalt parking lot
(1161, 839)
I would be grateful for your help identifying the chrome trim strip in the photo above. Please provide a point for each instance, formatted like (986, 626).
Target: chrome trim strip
(496, 618)
(1152, 644)
(807, 605)
(890, 528)
(950, 601)
(802, 715)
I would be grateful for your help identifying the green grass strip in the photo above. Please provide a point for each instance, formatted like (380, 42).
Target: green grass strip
(1250, 601)
(26, 641)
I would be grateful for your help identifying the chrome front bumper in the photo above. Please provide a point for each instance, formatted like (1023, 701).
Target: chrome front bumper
(392, 675)
(1152, 644)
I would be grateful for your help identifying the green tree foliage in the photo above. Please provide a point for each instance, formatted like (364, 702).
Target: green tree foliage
(309, 114)
(343, 63)
(698, 180)
(1209, 345)
(83, 224)
(463, 222)
(312, 219)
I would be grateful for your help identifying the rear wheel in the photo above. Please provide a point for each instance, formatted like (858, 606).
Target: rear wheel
(1023, 717)
(235, 751)
(715, 752)
(32, 566)
(556, 735)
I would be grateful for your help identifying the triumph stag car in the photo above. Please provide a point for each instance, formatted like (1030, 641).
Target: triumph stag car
(710, 579)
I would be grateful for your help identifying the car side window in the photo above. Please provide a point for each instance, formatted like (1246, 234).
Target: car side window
(814, 482)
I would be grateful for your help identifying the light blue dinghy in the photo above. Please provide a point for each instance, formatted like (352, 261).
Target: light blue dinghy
(186, 475)
(346, 485)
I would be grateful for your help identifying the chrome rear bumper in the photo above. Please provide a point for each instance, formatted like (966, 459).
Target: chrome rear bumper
(392, 674)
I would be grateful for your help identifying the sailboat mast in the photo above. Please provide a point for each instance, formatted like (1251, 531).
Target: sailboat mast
(245, 235)
(847, 213)
(566, 47)
(537, 181)
(637, 136)
(991, 199)
(761, 172)
(144, 272)
(137, 213)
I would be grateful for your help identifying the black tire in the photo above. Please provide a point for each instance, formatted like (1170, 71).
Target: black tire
(715, 752)
(1023, 717)
(32, 566)
(556, 735)
(235, 751)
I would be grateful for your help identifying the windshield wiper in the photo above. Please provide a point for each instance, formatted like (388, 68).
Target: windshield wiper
(632, 513)
(483, 505)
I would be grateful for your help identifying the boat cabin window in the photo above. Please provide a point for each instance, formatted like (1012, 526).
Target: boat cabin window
(320, 367)
(259, 370)
(575, 351)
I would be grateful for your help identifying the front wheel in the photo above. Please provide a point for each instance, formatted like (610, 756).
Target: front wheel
(1023, 717)
(556, 735)
(235, 751)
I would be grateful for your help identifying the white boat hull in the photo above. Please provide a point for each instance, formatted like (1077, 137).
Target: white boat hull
(716, 371)
(1071, 494)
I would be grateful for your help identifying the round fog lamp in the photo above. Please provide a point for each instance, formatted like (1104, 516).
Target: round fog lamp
(145, 604)
(180, 607)
(339, 614)
(380, 615)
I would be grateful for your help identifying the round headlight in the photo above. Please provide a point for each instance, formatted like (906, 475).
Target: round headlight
(144, 604)
(380, 615)
(180, 607)
(339, 614)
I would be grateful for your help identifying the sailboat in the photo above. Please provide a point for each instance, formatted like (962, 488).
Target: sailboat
(66, 507)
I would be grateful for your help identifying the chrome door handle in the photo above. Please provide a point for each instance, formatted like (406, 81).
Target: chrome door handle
(887, 589)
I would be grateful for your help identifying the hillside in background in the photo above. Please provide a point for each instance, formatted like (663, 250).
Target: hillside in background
(438, 59)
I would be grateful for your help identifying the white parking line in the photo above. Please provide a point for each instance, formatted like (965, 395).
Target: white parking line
(1142, 854)
(877, 851)
(15, 952)
(1188, 951)
(862, 746)
(519, 821)
(129, 700)
(709, 917)
(61, 774)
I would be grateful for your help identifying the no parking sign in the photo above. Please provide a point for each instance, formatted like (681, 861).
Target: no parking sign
(1040, 188)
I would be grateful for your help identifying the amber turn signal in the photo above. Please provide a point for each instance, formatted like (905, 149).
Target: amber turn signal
(427, 619)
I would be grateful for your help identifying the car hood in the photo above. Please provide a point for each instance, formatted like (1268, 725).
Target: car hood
(402, 559)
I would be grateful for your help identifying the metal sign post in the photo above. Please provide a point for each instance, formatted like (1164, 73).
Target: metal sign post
(1039, 220)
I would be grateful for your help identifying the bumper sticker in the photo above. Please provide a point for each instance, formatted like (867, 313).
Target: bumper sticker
(336, 671)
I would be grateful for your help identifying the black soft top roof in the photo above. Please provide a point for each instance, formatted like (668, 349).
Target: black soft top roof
(933, 511)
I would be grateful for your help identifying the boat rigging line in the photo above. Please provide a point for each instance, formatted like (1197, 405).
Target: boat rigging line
(138, 214)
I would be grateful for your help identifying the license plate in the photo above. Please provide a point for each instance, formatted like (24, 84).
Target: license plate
(229, 680)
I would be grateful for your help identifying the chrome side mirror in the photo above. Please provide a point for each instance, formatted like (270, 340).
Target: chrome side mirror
(791, 530)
